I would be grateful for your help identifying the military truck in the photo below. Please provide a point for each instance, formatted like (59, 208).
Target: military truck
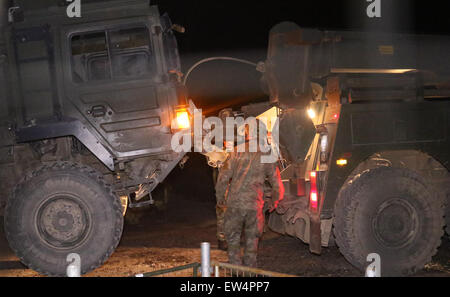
(364, 136)
(88, 107)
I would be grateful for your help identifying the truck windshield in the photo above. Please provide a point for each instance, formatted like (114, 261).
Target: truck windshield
(112, 54)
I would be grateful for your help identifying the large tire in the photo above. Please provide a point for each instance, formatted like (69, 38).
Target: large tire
(392, 212)
(61, 209)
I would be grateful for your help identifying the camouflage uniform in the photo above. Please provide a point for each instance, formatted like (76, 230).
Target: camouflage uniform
(245, 202)
(221, 205)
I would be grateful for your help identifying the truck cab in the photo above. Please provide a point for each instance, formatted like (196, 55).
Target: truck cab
(115, 75)
(94, 98)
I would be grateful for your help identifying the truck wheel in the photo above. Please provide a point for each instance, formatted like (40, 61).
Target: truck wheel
(61, 209)
(391, 212)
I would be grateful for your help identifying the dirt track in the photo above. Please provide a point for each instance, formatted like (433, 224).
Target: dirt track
(158, 243)
(172, 237)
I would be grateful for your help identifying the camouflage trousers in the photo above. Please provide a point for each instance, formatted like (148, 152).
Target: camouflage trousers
(252, 223)
(220, 214)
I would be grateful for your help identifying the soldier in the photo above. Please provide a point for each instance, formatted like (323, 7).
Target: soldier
(221, 196)
(244, 177)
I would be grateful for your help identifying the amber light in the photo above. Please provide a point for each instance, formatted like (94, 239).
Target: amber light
(183, 121)
(311, 113)
(342, 162)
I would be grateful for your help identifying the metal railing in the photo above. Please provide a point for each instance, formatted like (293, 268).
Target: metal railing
(207, 268)
(230, 270)
(189, 270)
(217, 269)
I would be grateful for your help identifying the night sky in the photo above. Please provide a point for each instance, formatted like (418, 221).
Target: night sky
(240, 29)
(220, 25)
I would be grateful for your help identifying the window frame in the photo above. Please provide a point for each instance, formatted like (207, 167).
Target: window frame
(106, 29)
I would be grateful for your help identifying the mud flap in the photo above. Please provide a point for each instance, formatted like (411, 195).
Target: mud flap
(303, 228)
(315, 240)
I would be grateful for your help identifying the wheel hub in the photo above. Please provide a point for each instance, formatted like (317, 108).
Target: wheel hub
(62, 222)
(395, 223)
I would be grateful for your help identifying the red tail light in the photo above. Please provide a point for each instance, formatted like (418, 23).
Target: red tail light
(314, 193)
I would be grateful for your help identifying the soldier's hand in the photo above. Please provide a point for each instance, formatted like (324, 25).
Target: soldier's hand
(269, 205)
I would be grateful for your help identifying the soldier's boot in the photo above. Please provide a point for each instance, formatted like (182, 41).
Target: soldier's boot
(222, 245)
(222, 241)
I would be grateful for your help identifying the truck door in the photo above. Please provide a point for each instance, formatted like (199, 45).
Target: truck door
(114, 79)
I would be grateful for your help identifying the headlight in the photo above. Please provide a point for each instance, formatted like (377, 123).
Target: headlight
(342, 162)
(182, 120)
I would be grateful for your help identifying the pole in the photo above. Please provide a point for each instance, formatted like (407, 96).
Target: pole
(216, 271)
(206, 266)
(74, 268)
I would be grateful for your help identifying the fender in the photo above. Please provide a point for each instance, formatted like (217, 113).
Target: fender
(67, 127)
(431, 117)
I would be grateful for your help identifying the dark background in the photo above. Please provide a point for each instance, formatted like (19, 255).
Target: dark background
(240, 29)
(218, 25)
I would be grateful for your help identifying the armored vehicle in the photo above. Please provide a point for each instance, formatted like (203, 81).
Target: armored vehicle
(88, 107)
(374, 177)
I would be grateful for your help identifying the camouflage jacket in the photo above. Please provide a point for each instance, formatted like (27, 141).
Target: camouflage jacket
(242, 179)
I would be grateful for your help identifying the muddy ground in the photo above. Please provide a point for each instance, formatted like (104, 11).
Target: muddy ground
(166, 237)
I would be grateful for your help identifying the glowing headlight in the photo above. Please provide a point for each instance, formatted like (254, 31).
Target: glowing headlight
(183, 121)
(311, 113)
(342, 162)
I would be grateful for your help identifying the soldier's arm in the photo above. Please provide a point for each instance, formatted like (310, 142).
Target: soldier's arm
(223, 180)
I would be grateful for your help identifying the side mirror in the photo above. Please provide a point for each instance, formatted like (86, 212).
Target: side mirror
(15, 14)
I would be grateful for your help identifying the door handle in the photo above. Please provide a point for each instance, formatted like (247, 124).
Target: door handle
(98, 111)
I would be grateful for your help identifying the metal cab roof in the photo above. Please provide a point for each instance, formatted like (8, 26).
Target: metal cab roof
(91, 11)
